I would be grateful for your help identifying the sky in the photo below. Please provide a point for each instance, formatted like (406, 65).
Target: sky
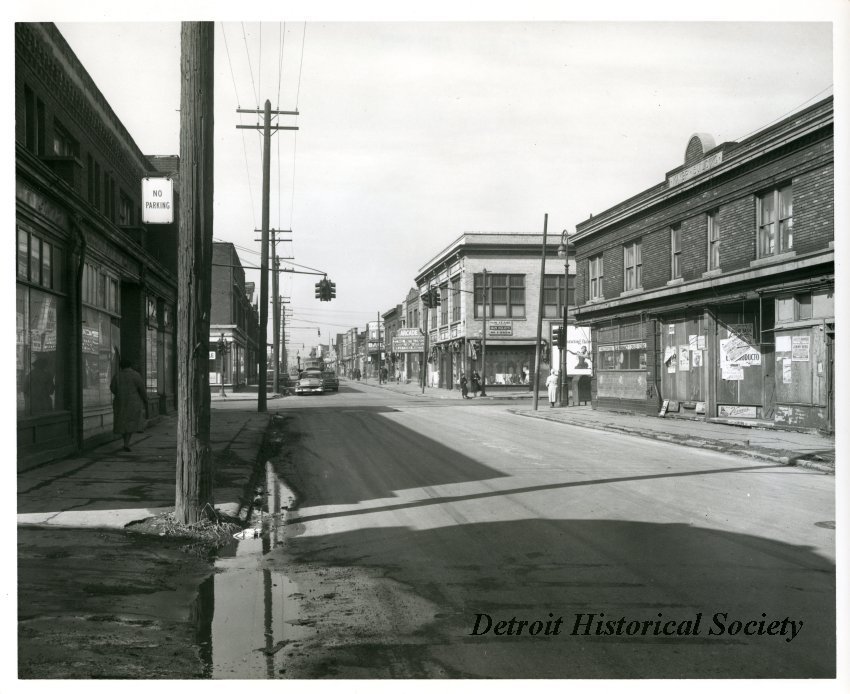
(412, 133)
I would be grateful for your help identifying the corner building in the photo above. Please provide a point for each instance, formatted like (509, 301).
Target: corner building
(92, 282)
(712, 293)
(493, 277)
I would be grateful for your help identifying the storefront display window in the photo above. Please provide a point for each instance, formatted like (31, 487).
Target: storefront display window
(39, 365)
(509, 367)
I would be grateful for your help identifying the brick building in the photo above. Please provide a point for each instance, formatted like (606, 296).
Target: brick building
(234, 320)
(713, 290)
(92, 282)
(510, 265)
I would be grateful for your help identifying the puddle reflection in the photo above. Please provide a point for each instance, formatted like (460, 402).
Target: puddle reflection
(245, 617)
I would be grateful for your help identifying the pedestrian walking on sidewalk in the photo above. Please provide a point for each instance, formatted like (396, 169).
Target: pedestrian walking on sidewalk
(552, 386)
(130, 404)
(464, 390)
(476, 383)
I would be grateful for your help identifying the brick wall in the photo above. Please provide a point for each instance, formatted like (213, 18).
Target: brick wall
(807, 163)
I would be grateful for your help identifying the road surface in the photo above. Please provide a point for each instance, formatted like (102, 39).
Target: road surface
(450, 538)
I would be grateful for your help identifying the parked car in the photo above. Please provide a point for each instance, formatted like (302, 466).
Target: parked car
(310, 381)
(330, 381)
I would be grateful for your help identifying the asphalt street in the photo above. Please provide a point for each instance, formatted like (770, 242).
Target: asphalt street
(449, 538)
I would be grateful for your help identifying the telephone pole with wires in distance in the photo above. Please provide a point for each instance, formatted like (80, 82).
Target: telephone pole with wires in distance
(262, 340)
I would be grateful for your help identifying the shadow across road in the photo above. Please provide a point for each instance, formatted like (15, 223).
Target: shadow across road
(582, 571)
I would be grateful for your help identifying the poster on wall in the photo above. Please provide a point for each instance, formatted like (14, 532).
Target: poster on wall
(696, 359)
(735, 351)
(684, 358)
(786, 371)
(732, 372)
(800, 348)
(578, 351)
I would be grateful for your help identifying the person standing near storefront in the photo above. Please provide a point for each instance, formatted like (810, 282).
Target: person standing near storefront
(130, 404)
(464, 391)
(552, 386)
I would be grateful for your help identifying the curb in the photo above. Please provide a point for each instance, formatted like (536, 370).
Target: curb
(777, 458)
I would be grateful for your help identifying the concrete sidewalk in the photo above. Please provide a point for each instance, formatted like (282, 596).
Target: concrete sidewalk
(108, 487)
(414, 389)
(804, 449)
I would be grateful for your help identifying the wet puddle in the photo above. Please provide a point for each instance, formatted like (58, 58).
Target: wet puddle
(247, 615)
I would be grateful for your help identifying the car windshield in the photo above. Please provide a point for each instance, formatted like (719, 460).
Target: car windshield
(311, 374)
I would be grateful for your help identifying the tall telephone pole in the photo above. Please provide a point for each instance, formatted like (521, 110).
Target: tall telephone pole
(540, 314)
(194, 272)
(267, 128)
(275, 319)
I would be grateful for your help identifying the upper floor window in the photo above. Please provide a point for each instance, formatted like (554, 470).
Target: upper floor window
(125, 210)
(676, 251)
(632, 266)
(456, 299)
(444, 305)
(505, 296)
(553, 296)
(713, 232)
(63, 144)
(775, 221)
(33, 122)
(595, 274)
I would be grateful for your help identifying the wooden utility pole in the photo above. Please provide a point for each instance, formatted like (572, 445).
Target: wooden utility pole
(275, 318)
(483, 373)
(540, 313)
(267, 128)
(194, 272)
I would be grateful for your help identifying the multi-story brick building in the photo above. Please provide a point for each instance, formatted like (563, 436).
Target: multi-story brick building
(713, 290)
(233, 321)
(502, 273)
(93, 282)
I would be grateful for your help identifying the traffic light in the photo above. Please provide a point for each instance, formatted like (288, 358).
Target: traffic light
(319, 290)
(332, 290)
(558, 336)
(435, 297)
(426, 299)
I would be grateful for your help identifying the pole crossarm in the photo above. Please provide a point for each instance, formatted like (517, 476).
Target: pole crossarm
(271, 127)
(260, 110)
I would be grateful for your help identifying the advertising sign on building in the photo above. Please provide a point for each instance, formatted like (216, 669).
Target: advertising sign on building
(800, 348)
(578, 351)
(500, 328)
(735, 351)
(157, 201)
(408, 340)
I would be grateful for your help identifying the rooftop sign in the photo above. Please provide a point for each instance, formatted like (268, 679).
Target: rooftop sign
(686, 174)
(157, 201)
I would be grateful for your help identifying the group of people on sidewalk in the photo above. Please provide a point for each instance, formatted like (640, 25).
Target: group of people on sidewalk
(476, 385)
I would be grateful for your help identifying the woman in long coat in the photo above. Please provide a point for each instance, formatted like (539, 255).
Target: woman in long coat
(552, 386)
(130, 403)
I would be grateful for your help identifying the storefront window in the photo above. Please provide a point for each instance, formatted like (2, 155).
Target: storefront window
(98, 358)
(622, 357)
(39, 366)
(510, 367)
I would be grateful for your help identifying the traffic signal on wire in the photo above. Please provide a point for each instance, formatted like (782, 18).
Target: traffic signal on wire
(319, 290)
(435, 297)
(331, 290)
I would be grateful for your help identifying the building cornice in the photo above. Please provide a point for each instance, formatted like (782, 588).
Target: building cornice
(695, 287)
(817, 117)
